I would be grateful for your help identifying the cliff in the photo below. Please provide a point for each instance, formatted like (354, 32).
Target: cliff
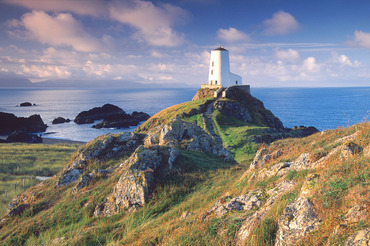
(201, 173)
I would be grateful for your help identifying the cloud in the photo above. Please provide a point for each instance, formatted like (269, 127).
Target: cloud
(280, 23)
(289, 55)
(153, 23)
(58, 30)
(232, 35)
(91, 7)
(360, 39)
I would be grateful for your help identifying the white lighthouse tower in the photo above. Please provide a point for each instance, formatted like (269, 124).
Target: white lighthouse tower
(219, 69)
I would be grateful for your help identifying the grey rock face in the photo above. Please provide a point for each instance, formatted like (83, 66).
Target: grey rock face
(132, 189)
(235, 109)
(174, 153)
(254, 219)
(97, 150)
(298, 219)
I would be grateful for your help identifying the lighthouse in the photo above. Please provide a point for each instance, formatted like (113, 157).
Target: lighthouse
(219, 69)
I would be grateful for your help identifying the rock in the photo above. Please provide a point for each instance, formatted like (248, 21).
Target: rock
(107, 110)
(297, 220)
(122, 121)
(248, 202)
(25, 104)
(23, 137)
(133, 187)
(360, 238)
(10, 123)
(103, 148)
(85, 181)
(60, 120)
(260, 159)
(234, 109)
(254, 219)
(173, 155)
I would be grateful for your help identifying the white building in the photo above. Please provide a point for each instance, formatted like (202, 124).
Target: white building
(219, 69)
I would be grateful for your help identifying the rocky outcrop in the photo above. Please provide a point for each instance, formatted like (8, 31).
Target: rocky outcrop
(106, 147)
(173, 133)
(107, 110)
(113, 117)
(10, 123)
(255, 218)
(134, 185)
(87, 179)
(235, 109)
(60, 120)
(298, 219)
(122, 121)
(255, 108)
(23, 137)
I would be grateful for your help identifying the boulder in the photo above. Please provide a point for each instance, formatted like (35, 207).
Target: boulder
(298, 219)
(10, 123)
(107, 110)
(60, 120)
(23, 137)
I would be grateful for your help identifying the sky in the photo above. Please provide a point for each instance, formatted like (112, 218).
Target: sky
(272, 43)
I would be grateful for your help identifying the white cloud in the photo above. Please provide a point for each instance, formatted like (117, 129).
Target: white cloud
(232, 35)
(91, 7)
(289, 55)
(310, 65)
(153, 23)
(58, 30)
(280, 23)
(360, 39)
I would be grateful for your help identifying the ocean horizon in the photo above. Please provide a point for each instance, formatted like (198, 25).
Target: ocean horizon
(324, 108)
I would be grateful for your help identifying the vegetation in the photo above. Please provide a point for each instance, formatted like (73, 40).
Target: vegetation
(20, 163)
(197, 181)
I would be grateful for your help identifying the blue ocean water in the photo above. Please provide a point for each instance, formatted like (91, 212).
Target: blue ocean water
(324, 108)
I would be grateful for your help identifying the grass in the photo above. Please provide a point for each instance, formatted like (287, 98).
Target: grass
(195, 183)
(186, 109)
(235, 133)
(20, 163)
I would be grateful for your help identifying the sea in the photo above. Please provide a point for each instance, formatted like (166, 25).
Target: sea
(323, 108)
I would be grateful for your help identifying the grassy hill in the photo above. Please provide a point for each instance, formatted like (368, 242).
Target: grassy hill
(184, 204)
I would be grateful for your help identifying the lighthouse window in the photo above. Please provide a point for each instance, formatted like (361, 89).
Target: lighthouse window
(215, 82)
(213, 63)
(211, 72)
(236, 82)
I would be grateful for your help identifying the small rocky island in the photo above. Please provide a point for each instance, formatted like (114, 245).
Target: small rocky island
(10, 122)
(112, 115)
